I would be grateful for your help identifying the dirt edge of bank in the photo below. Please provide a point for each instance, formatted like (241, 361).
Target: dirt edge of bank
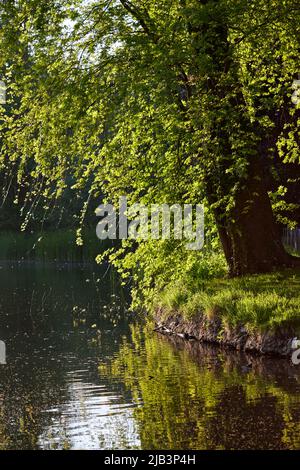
(277, 342)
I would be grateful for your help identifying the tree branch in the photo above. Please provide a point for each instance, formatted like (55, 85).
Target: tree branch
(138, 15)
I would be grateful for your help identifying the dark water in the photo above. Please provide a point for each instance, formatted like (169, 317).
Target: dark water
(81, 373)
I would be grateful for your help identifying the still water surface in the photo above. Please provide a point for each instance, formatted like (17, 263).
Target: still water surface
(83, 373)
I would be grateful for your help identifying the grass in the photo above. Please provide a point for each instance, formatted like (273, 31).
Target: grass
(258, 302)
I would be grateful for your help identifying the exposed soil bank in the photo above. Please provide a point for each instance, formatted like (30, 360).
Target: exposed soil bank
(201, 328)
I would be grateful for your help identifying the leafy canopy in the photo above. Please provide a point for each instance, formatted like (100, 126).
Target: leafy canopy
(149, 99)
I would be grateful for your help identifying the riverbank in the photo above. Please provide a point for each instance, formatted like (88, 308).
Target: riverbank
(259, 314)
(200, 328)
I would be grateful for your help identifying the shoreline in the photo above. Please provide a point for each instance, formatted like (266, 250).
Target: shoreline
(204, 330)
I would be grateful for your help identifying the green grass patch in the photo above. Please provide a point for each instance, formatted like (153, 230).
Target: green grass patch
(262, 302)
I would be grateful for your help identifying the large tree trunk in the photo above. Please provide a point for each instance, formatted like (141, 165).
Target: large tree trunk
(249, 234)
(250, 237)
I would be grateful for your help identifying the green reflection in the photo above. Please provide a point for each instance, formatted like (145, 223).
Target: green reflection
(78, 377)
(192, 396)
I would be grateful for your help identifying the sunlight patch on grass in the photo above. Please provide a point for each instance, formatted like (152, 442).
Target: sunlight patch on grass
(257, 302)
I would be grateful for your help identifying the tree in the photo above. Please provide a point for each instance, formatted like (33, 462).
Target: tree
(166, 101)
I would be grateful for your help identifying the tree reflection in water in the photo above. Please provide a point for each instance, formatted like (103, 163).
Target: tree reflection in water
(192, 396)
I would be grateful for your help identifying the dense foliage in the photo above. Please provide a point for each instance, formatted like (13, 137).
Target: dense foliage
(182, 101)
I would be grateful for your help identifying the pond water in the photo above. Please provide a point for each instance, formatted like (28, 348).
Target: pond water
(83, 373)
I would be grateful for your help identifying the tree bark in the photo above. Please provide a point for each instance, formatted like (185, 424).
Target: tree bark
(250, 237)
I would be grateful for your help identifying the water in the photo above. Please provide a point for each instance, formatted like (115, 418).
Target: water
(82, 373)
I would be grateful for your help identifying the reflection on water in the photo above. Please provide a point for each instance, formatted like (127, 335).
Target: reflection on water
(81, 375)
(91, 417)
(199, 397)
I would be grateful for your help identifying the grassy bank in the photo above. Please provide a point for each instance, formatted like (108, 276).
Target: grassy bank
(59, 245)
(257, 302)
